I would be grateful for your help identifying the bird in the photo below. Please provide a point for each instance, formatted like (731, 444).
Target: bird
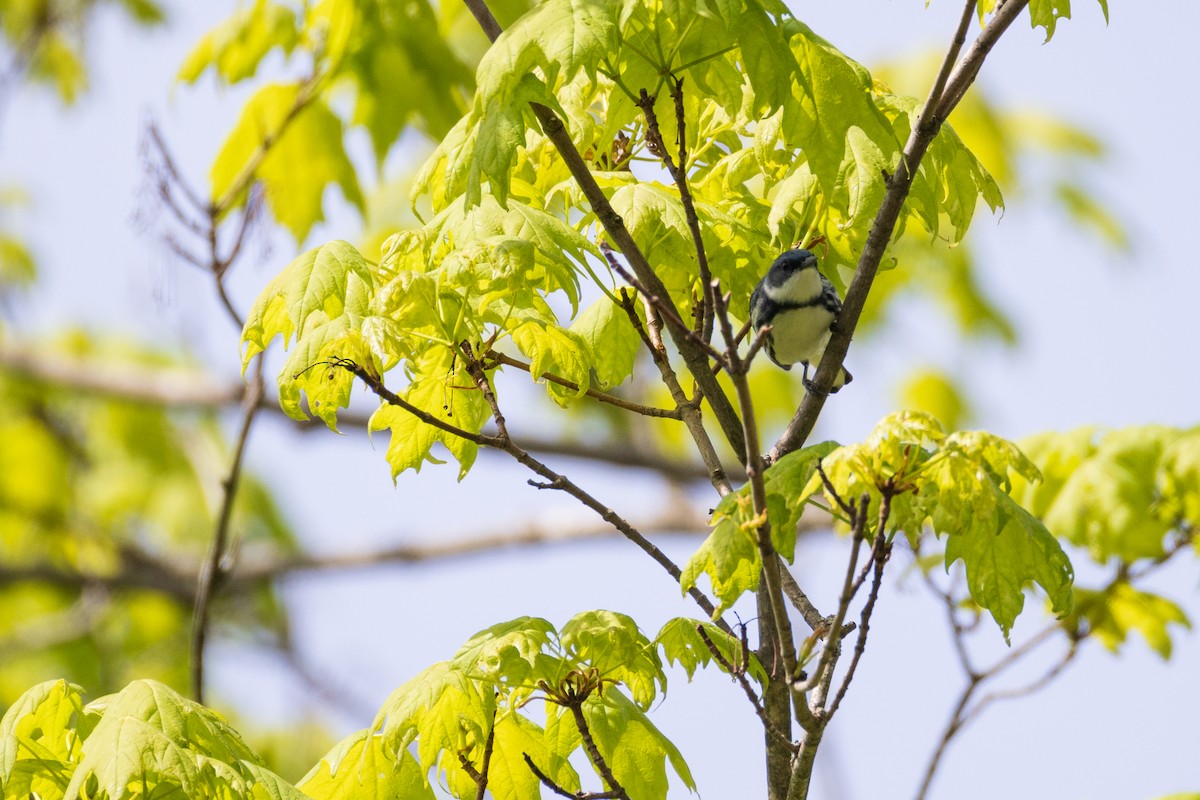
(800, 305)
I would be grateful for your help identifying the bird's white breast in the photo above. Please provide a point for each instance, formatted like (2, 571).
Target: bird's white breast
(801, 334)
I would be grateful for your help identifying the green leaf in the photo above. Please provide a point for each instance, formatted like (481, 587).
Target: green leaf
(681, 643)
(238, 45)
(847, 139)
(730, 558)
(441, 709)
(509, 777)
(556, 40)
(612, 644)
(611, 341)
(151, 740)
(320, 301)
(1001, 561)
(40, 740)
(506, 653)
(557, 351)
(958, 485)
(1113, 613)
(654, 215)
(359, 769)
(788, 484)
(635, 750)
(451, 398)
(304, 156)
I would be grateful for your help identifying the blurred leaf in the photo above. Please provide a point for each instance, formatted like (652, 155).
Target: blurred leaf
(932, 392)
(237, 46)
(304, 156)
(1113, 613)
(1091, 215)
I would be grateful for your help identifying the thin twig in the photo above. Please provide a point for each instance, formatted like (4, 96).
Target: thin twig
(546, 781)
(595, 394)
(880, 552)
(560, 791)
(739, 675)
(678, 172)
(480, 776)
(553, 480)
(651, 337)
(211, 570)
(662, 303)
(173, 172)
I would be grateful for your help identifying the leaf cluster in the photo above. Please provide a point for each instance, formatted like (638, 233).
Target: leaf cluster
(464, 722)
(144, 741)
(399, 63)
(909, 475)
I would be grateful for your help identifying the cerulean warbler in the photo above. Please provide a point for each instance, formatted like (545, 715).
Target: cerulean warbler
(800, 305)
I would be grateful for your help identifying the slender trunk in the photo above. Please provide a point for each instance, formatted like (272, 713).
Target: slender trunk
(776, 702)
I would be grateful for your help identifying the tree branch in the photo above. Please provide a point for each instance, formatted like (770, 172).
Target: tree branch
(553, 479)
(210, 571)
(739, 676)
(654, 142)
(651, 336)
(616, 790)
(595, 394)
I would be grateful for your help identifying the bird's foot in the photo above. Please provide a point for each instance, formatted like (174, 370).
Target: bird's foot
(812, 388)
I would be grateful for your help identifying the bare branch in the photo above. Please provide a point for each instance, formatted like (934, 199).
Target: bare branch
(560, 791)
(595, 394)
(739, 675)
(678, 172)
(210, 572)
(880, 552)
(181, 388)
(553, 479)
(689, 411)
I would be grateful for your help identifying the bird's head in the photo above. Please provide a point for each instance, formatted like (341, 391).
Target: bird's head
(793, 277)
(789, 264)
